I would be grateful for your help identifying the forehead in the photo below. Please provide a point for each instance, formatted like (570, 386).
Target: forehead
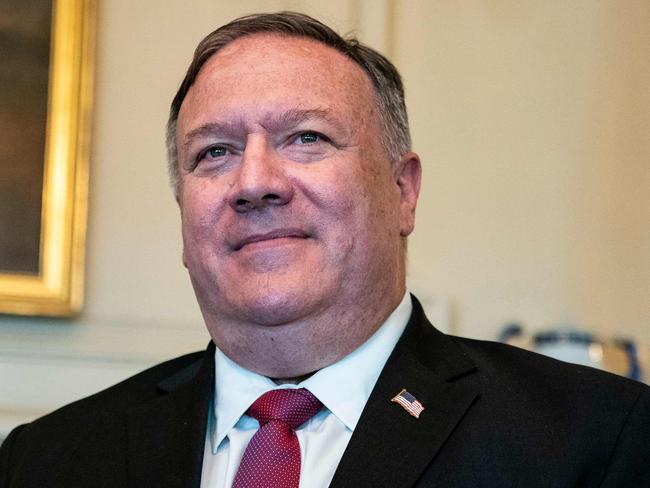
(262, 70)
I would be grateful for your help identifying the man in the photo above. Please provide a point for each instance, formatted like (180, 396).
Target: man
(290, 158)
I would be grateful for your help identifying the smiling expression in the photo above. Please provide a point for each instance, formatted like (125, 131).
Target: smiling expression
(290, 208)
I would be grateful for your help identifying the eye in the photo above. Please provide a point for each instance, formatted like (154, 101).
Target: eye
(210, 156)
(308, 138)
(216, 152)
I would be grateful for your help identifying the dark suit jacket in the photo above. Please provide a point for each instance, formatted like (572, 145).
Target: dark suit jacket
(495, 416)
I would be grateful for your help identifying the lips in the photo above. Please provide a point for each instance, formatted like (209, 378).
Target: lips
(269, 236)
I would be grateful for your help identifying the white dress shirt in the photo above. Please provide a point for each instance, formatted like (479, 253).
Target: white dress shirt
(343, 388)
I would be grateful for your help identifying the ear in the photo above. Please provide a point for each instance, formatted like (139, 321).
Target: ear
(408, 175)
(180, 208)
(184, 257)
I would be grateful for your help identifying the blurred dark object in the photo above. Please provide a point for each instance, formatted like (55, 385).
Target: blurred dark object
(571, 344)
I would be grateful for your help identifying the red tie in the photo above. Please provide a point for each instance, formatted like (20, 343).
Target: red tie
(272, 457)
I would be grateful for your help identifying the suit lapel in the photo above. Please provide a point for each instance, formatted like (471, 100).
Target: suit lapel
(166, 436)
(389, 447)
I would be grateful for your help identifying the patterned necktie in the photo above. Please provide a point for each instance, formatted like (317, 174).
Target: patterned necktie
(272, 457)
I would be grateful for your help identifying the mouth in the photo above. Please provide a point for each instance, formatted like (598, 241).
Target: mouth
(275, 235)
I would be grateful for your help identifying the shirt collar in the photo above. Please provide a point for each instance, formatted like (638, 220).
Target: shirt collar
(343, 387)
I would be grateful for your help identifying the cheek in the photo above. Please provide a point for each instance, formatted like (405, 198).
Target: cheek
(329, 191)
(199, 214)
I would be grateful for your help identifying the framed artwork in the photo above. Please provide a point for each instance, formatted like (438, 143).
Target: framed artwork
(45, 104)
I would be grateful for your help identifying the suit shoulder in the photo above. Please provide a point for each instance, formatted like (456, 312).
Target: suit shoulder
(93, 430)
(118, 398)
(599, 420)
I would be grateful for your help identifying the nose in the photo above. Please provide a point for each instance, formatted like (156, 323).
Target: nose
(260, 180)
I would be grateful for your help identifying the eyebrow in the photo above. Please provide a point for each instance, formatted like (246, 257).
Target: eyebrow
(289, 118)
(294, 117)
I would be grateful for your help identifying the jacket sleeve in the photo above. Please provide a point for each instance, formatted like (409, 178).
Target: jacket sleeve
(629, 464)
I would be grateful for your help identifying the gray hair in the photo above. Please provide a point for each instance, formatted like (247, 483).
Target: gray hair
(386, 80)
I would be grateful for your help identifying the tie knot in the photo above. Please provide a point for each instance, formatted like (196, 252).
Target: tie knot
(292, 406)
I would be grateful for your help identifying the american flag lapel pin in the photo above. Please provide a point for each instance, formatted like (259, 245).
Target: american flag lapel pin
(408, 403)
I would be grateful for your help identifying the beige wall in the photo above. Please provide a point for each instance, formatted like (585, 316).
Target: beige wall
(532, 120)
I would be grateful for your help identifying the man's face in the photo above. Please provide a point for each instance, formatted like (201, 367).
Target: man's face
(289, 205)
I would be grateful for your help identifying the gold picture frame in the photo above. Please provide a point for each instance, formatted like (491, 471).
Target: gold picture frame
(57, 288)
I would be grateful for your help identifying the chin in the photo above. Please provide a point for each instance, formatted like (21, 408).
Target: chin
(277, 306)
